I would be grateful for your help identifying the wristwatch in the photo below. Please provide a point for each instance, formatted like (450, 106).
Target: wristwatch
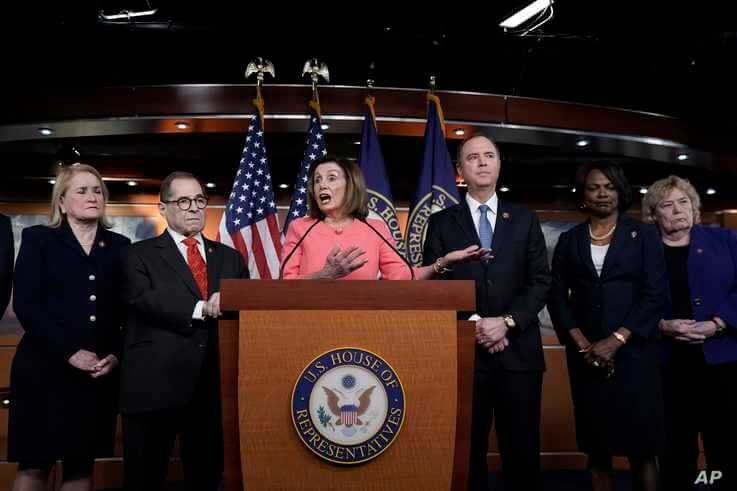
(509, 321)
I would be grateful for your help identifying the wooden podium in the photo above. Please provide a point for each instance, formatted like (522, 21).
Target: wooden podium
(285, 325)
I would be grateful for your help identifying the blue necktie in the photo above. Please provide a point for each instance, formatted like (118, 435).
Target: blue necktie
(486, 233)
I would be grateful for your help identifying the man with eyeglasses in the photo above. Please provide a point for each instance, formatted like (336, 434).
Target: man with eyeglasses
(169, 372)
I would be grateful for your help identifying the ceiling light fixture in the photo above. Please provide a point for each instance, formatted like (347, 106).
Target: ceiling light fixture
(504, 189)
(682, 156)
(583, 142)
(181, 125)
(459, 132)
(210, 185)
(711, 191)
(536, 10)
(46, 131)
(643, 190)
(132, 183)
(324, 126)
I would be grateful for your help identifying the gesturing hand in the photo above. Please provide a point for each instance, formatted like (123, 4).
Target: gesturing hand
(340, 263)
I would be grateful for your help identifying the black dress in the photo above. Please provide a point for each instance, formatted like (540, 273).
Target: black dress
(65, 301)
(621, 415)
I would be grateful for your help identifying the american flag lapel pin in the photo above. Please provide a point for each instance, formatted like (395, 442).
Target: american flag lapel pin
(505, 215)
(102, 243)
(634, 234)
(209, 249)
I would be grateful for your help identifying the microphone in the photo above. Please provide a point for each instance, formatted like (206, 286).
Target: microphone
(411, 269)
(294, 249)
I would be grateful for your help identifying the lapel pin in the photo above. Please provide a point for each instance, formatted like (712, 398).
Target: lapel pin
(505, 215)
(102, 243)
(209, 249)
(634, 234)
(699, 251)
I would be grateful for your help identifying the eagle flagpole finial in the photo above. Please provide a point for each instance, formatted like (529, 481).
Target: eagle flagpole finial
(260, 66)
(316, 69)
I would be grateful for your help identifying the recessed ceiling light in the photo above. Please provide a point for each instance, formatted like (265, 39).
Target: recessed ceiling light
(181, 125)
(356, 142)
(46, 131)
(504, 189)
(52, 181)
(711, 191)
(210, 185)
(573, 189)
(283, 186)
(682, 156)
(583, 142)
(459, 131)
(132, 183)
(643, 190)
(324, 126)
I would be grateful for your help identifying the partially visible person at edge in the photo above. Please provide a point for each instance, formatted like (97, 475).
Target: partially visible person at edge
(699, 330)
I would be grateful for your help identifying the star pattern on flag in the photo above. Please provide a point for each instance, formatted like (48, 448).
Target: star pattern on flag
(315, 149)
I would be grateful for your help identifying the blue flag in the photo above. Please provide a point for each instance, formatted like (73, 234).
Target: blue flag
(380, 202)
(437, 187)
(315, 149)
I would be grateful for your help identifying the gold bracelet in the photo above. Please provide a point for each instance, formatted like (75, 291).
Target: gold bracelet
(439, 269)
(620, 338)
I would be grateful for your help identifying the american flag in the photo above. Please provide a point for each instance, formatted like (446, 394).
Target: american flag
(250, 223)
(314, 150)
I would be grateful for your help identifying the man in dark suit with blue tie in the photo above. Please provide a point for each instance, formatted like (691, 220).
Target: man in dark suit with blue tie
(511, 288)
(169, 372)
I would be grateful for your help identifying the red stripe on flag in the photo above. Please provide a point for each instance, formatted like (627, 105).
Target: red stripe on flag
(275, 236)
(240, 245)
(259, 255)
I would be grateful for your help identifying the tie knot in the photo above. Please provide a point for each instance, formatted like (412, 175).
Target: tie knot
(190, 242)
(483, 209)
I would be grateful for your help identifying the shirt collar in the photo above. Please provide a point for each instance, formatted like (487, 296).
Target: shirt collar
(178, 238)
(492, 203)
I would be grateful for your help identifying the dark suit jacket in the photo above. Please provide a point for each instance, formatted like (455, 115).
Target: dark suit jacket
(7, 258)
(629, 293)
(514, 281)
(164, 347)
(65, 301)
(712, 279)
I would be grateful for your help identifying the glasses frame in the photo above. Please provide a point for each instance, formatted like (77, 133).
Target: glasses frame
(180, 202)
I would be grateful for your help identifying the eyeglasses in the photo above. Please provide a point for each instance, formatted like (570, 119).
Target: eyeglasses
(185, 204)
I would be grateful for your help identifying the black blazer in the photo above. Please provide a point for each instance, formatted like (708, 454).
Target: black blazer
(7, 258)
(164, 347)
(514, 281)
(630, 292)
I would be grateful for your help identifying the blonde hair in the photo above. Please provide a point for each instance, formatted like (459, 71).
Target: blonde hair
(660, 189)
(61, 186)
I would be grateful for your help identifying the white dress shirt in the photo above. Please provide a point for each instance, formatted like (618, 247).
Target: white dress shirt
(473, 205)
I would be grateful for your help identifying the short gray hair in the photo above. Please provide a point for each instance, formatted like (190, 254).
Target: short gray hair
(658, 191)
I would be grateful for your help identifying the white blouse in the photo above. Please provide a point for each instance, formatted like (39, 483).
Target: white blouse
(598, 254)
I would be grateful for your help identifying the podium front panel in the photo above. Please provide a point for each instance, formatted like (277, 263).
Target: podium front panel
(274, 349)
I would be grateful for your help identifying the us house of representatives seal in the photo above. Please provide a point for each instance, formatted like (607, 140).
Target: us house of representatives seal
(348, 405)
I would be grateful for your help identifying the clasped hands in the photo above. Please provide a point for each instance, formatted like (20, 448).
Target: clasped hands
(688, 330)
(89, 362)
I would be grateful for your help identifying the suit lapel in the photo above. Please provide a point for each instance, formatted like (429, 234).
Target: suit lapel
(214, 265)
(584, 249)
(622, 234)
(462, 215)
(171, 255)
